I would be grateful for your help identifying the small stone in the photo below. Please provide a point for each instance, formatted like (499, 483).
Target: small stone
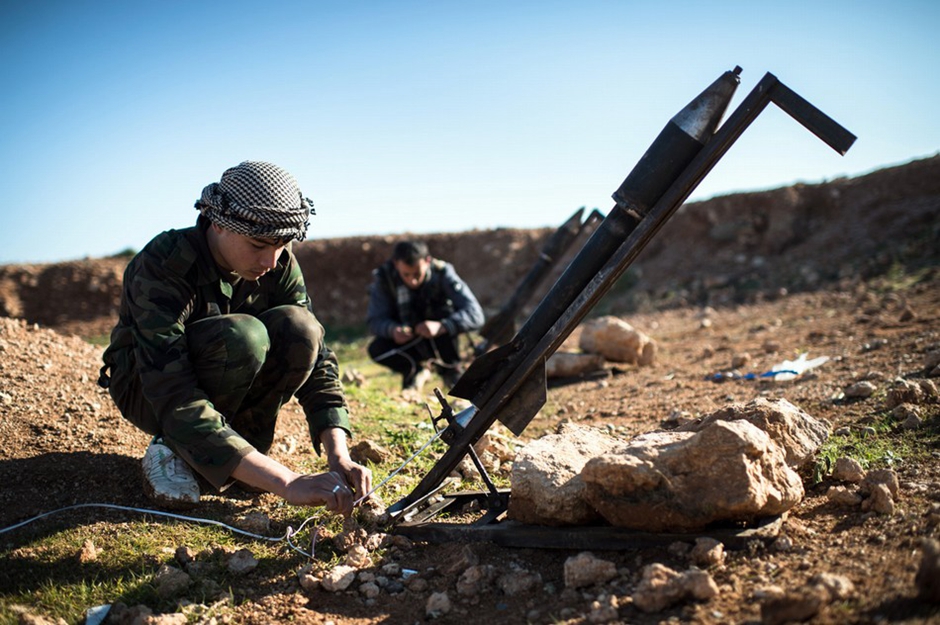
(438, 604)
(88, 553)
(860, 390)
(241, 562)
(339, 578)
(848, 470)
(841, 496)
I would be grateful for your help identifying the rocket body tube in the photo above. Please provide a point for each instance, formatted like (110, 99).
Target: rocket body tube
(677, 144)
(501, 328)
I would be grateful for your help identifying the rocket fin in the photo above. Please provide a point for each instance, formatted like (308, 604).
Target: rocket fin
(526, 402)
(481, 370)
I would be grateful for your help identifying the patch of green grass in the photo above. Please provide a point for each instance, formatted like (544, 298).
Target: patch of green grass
(885, 447)
(899, 277)
(47, 576)
(102, 340)
(40, 566)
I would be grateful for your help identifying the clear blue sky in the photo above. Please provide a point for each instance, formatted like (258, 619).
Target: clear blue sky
(423, 117)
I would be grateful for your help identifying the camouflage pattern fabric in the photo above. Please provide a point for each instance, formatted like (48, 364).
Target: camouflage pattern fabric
(206, 360)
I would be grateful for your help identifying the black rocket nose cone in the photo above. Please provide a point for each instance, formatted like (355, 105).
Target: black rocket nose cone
(700, 117)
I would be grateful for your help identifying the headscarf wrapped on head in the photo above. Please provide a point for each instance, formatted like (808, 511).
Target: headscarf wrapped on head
(258, 200)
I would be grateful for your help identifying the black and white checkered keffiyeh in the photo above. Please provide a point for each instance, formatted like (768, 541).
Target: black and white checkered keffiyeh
(258, 200)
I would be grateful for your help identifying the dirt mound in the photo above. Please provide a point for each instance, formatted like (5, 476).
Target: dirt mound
(731, 249)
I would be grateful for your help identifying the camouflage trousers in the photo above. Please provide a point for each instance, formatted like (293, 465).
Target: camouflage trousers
(247, 366)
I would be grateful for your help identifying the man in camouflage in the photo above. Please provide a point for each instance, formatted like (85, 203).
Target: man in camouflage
(418, 308)
(216, 333)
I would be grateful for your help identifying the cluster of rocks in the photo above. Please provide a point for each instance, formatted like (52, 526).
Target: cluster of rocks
(603, 339)
(597, 585)
(738, 464)
(594, 588)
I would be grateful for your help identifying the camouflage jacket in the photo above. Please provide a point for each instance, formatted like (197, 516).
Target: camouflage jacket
(173, 282)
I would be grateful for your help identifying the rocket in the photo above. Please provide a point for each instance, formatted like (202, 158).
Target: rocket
(509, 383)
(680, 140)
(501, 327)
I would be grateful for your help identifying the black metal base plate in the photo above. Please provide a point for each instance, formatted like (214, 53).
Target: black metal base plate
(508, 533)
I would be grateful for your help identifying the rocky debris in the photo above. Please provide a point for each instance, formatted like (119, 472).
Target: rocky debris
(585, 569)
(546, 483)
(780, 606)
(793, 606)
(799, 434)
(171, 581)
(368, 451)
(928, 572)
(241, 562)
(707, 552)
(339, 578)
(842, 496)
(184, 555)
(358, 556)
(353, 377)
(904, 391)
(437, 605)
(255, 521)
(662, 587)
(518, 580)
(875, 490)
(684, 481)
(882, 477)
(26, 617)
(907, 416)
(475, 579)
(572, 364)
(932, 363)
(617, 341)
(860, 390)
(88, 552)
(848, 470)
(879, 500)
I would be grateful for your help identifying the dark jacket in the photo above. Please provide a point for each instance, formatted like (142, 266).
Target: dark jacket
(443, 297)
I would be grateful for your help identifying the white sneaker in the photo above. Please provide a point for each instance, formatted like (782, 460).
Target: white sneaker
(168, 480)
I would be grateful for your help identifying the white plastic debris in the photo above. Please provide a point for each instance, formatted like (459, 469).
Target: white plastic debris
(791, 369)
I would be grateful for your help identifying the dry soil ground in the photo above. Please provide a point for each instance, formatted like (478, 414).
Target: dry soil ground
(62, 442)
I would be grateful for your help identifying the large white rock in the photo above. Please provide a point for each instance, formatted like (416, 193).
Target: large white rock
(798, 433)
(617, 341)
(570, 364)
(546, 485)
(685, 481)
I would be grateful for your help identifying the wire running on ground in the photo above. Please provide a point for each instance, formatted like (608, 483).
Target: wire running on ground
(288, 536)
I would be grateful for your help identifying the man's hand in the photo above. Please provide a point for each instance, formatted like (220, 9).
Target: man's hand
(325, 489)
(429, 329)
(356, 476)
(402, 334)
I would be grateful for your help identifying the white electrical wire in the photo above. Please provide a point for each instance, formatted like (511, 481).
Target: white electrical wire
(288, 535)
